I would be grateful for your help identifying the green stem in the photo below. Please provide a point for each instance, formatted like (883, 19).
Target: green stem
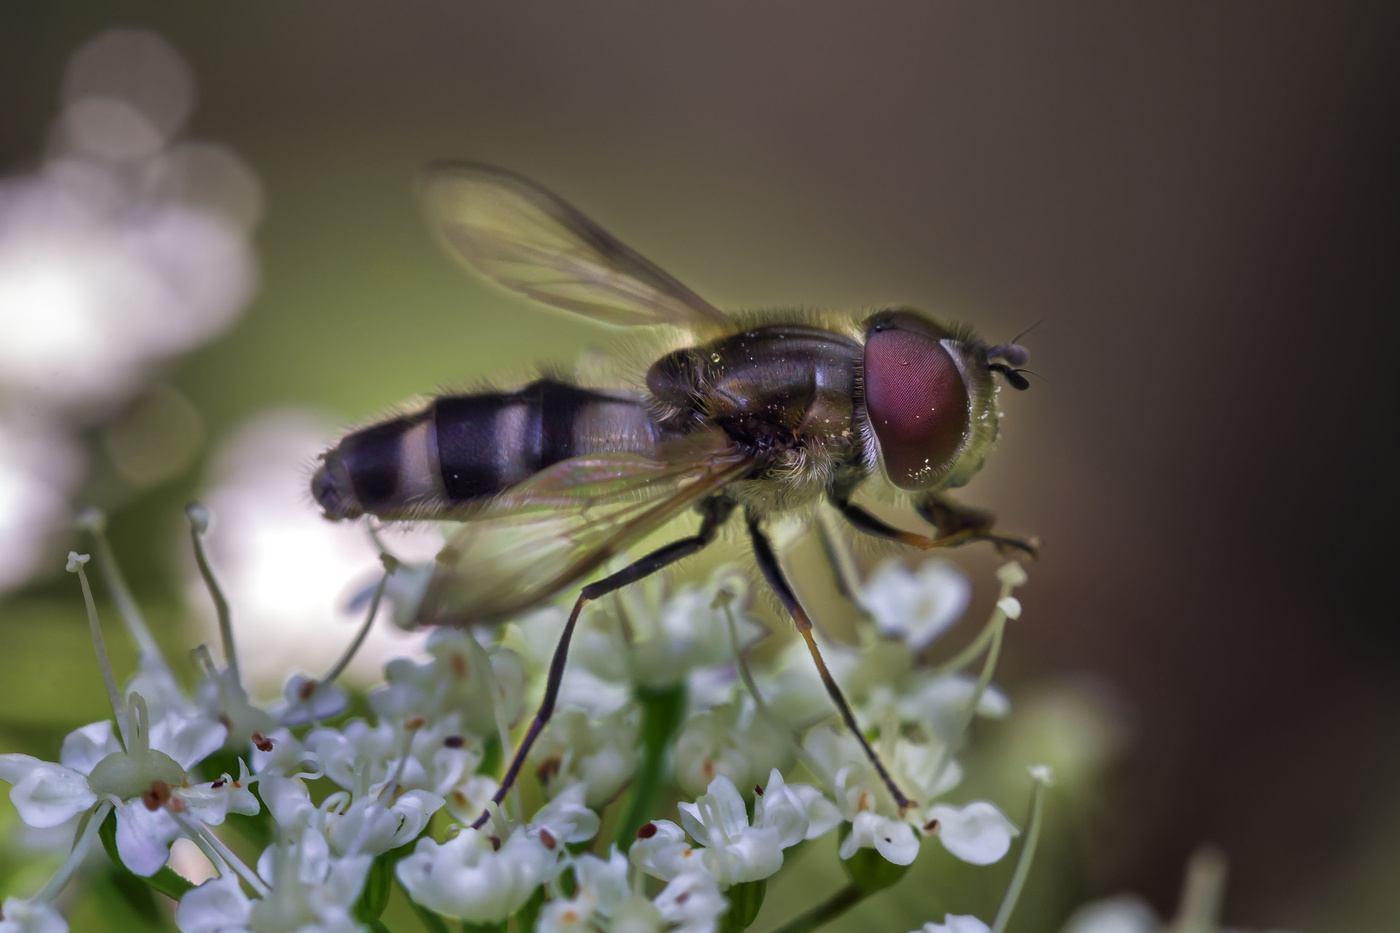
(661, 716)
(1023, 864)
(825, 912)
(199, 521)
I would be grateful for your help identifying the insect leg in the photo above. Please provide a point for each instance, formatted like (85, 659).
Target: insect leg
(773, 573)
(715, 511)
(956, 526)
(952, 520)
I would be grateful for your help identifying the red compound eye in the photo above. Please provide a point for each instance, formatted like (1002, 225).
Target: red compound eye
(917, 403)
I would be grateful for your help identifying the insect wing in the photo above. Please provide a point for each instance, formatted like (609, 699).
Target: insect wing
(526, 239)
(547, 533)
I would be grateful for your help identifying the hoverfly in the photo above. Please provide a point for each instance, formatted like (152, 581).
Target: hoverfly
(757, 415)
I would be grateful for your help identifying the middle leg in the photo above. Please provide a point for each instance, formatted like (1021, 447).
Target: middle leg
(773, 573)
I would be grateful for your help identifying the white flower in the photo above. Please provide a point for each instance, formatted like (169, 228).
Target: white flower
(916, 605)
(601, 887)
(734, 850)
(797, 811)
(955, 923)
(21, 916)
(147, 782)
(308, 892)
(566, 817)
(661, 850)
(600, 754)
(1124, 913)
(690, 903)
(363, 825)
(307, 700)
(468, 878)
(451, 682)
(892, 838)
(729, 740)
(978, 833)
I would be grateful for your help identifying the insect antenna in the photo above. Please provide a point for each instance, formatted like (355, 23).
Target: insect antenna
(1012, 351)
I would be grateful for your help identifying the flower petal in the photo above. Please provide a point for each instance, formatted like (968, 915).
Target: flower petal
(144, 837)
(84, 748)
(216, 906)
(978, 833)
(45, 794)
(956, 923)
(21, 916)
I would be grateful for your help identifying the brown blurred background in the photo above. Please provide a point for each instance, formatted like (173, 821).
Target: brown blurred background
(1198, 200)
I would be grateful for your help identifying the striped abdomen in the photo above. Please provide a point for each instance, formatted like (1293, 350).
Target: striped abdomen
(462, 448)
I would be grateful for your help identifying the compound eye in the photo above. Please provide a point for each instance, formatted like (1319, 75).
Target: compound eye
(917, 403)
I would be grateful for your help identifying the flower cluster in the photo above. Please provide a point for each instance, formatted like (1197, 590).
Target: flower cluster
(310, 817)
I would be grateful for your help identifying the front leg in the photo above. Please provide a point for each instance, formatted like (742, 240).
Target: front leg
(956, 525)
(969, 524)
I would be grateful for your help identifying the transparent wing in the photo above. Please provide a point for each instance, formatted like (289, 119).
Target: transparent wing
(524, 238)
(541, 536)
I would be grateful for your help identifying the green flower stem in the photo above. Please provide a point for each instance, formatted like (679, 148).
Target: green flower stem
(1202, 893)
(996, 628)
(469, 927)
(109, 679)
(199, 521)
(95, 524)
(662, 710)
(75, 857)
(1023, 863)
(344, 661)
(825, 912)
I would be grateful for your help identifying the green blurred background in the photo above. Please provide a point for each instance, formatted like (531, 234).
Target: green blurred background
(1198, 199)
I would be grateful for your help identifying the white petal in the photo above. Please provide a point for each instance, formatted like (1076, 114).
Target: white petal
(84, 748)
(144, 837)
(216, 906)
(288, 801)
(664, 853)
(45, 794)
(21, 916)
(567, 818)
(956, 923)
(978, 833)
(1010, 607)
(781, 808)
(894, 839)
(822, 815)
(1124, 913)
(188, 739)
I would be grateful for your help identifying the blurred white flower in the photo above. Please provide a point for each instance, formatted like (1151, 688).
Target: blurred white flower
(916, 605)
(284, 569)
(475, 877)
(38, 469)
(602, 887)
(955, 923)
(600, 754)
(1124, 913)
(306, 890)
(21, 916)
(730, 740)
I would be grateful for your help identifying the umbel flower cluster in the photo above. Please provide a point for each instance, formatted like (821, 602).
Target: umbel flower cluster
(312, 817)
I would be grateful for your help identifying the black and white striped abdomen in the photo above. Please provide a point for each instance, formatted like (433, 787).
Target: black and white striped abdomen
(462, 448)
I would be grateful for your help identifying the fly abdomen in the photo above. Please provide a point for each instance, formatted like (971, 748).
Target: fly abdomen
(463, 448)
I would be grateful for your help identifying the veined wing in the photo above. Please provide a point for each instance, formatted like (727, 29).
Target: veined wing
(539, 537)
(528, 240)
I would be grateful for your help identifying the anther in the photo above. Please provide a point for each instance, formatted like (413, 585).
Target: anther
(261, 742)
(646, 831)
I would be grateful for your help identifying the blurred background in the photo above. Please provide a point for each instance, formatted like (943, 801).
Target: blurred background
(211, 261)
